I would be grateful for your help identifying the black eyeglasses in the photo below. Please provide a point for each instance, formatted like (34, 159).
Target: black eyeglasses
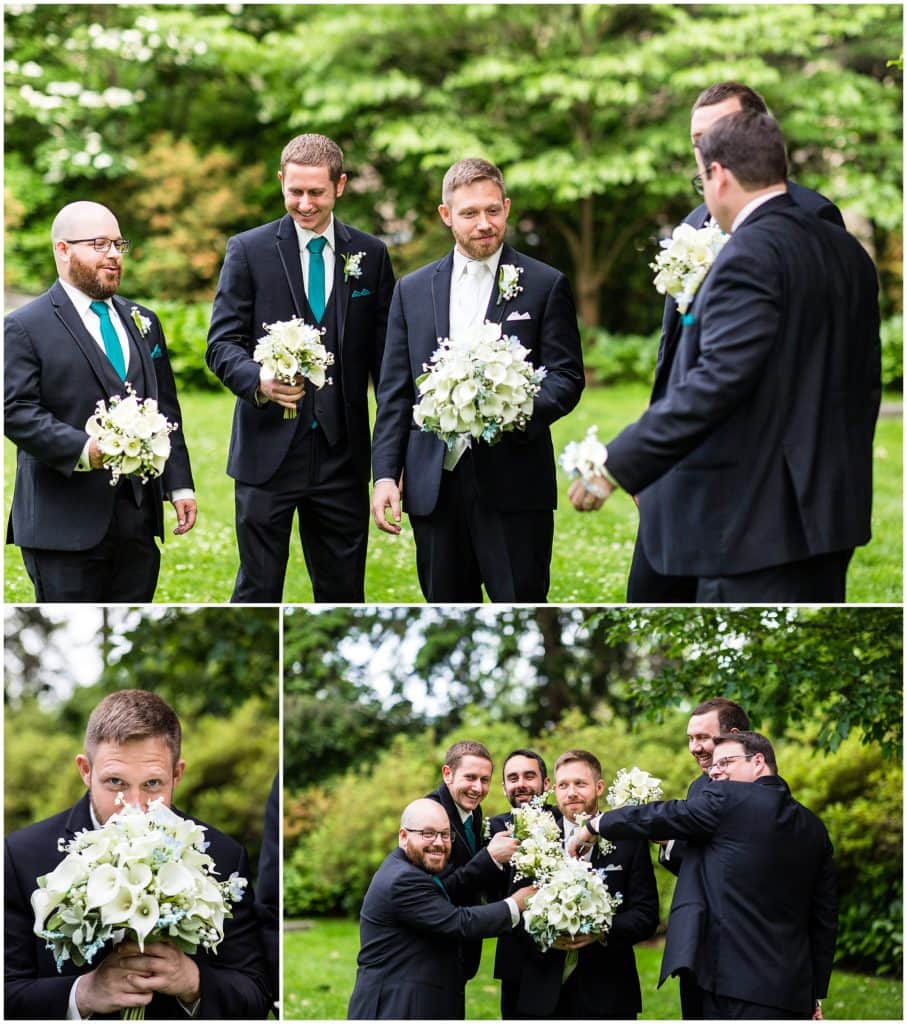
(431, 834)
(698, 187)
(101, 244)
(723, 762)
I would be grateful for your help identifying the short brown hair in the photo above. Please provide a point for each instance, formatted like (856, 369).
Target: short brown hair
(748, 144)
(721, 91)
(314, 151)
(133, 715)
(467, 171)
(752, 743)
(580, 755)
(730, 715)
(465, 748)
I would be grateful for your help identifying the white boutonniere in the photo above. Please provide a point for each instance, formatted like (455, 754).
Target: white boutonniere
(352, 265)
(143, 323)
(508, 282)
(684, 261)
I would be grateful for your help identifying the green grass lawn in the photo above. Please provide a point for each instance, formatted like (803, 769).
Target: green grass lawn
(591, 551)
(319, 969)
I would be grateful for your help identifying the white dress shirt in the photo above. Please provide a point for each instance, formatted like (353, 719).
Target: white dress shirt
(328, 254)
(754, 204)
(469, 298)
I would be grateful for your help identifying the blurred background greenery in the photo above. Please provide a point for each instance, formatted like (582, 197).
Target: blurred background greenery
(217, 668)
(175, 115)
(373, 698)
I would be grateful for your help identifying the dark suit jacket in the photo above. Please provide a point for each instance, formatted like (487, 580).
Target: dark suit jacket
(409, 959)
(55, 374)
(761, 924)
(267, 888)
(518, 473)
(757, 447)
(679, 849)
(605, 976)
(233, 982)
(261, 282)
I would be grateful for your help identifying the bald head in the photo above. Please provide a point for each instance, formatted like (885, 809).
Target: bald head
(424, 813)
(84, 220)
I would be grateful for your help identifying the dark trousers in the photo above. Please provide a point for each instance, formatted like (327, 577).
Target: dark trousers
(574, 1005)
(716, 1007)
(319, 483)
(122, 568)
(821, 579)
(464, 544)
(690, 997)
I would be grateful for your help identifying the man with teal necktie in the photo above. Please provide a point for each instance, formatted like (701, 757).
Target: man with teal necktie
(311, 266)
(75, 345)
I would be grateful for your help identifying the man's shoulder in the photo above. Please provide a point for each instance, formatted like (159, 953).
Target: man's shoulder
(258, 235)
(356, 237)
(221, 846)
(533, 269)
(37, 307)
(41, 834)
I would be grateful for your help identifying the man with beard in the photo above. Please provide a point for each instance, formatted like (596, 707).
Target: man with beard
(411, 926)
(525, 776)
(132, 753)
(480, 514)
(75, 345)
(604, 983)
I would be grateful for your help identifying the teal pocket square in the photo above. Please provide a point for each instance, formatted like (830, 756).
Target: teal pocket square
(687, 319)
(361, 293)
(156, 352)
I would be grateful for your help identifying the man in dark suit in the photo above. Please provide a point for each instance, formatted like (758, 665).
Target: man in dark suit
(604, 984)
(267, 889)
(466, 773)
(412, 924)
(644, 584)
(483, 514)
(132, 749)
(78, 343)
(753, 464)
(760, 941)
(309, 265)
(708, 719)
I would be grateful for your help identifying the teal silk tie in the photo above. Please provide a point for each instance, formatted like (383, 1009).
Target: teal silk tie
(109, 336)
(316, 276)
(470, 834)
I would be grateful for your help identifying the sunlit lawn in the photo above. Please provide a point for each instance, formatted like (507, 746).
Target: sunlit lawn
(320, 969)
(591, 552)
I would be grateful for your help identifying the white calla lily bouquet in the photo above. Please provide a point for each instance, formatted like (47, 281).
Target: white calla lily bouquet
(144, 876)
(586, 458)
(632, 788)
(291, 348)
(540, 853)
(573, 902)
(685, 259)
(477, 387)
(133, 435)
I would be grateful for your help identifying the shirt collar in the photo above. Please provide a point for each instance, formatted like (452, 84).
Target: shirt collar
(491, 262)
(80, 300)
(94, 818)
(754, 204)
(305, 236)
(463, 814)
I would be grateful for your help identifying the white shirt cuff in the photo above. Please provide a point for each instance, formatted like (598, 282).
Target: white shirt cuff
(180, 493)
(514, 911)
(72, 1010)
(667, 850)
(84, 465)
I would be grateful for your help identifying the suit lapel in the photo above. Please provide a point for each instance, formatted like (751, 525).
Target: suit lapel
(440, 295)
(97, 360)
(139, 345)
(342, 239)
(496, 310)
(288, 253)
(79, 818)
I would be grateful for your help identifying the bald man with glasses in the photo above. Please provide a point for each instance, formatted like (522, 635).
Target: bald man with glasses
(75, 345)
(760, 940)
(411, 926)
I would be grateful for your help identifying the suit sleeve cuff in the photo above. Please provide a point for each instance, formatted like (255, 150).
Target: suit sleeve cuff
(84, 465)
(514, 911)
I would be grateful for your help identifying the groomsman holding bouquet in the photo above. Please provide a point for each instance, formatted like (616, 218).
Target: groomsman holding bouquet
(296, 447)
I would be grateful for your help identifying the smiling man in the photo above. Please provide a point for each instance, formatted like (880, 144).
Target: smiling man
(77, 344)
(132, 753)
(306, 265)
(482, 515)
(412, 926)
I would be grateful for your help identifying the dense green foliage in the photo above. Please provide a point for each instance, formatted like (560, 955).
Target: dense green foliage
(175, 116)
(855, 792)
(320, 968)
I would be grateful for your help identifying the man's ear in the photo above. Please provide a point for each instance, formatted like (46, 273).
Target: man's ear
(444, 212)
(84, 766)
(447, 774)
(178, 770)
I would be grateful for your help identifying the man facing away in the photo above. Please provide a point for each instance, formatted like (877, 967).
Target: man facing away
(760, 941)
(312, 266)
(753, 464)
(482, 515)
(77, 344)
(132, 750)
(411, 926)
(604, 983)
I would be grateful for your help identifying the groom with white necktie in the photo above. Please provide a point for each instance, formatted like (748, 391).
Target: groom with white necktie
(481, 515)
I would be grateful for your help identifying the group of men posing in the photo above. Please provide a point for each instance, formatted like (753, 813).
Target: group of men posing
(751, 468)
(751, 932)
